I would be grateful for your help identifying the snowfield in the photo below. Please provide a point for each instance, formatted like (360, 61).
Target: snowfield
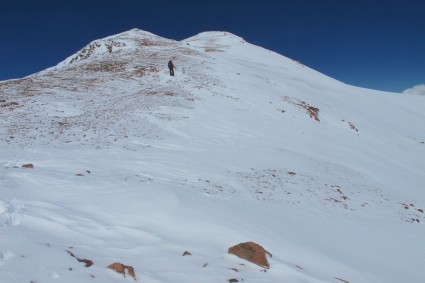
(131, 165)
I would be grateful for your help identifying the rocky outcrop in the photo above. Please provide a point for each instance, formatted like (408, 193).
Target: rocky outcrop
(123, 269)
(252, 252)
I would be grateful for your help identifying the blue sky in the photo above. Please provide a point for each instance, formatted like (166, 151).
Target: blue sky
(373, 44)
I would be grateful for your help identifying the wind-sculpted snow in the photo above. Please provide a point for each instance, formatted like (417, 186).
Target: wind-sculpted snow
(132, 166)
(10, 214)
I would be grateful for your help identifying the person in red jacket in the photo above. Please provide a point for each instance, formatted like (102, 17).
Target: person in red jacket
(171, 67)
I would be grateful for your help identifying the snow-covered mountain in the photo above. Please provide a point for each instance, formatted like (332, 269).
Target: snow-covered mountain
(131, 165)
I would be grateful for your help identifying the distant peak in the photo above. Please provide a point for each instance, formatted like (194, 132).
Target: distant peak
(133, 33)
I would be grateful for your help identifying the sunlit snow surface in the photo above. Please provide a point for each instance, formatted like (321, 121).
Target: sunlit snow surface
(134, 166)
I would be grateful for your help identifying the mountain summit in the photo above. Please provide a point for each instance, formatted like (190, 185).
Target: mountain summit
(124, 42)
(106, 160)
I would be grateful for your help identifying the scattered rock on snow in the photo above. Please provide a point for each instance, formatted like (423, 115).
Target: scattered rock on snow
(87, 262)
(28, 166)
(121, 268)
(186, 253)
(252, 252)
(233, 280)
(313, 112)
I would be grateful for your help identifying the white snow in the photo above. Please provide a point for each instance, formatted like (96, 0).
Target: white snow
(134, 166)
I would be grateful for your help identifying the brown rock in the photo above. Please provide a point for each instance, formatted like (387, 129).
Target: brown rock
(28, 166)
(130, 271)
(252, 252)
(121, 268)
(86, 262)
(233, 280)
(117, 267)
(186, 253)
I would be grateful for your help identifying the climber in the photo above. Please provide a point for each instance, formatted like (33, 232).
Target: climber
(171, 67)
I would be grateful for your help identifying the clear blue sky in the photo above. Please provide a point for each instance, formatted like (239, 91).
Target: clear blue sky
(368, 43)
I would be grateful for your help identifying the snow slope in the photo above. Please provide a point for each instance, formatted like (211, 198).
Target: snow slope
(134, 166)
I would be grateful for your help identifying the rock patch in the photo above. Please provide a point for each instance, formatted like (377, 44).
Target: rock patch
(186, 253)
(87, 262)
(28, 166)
(121, 268)
(251, 252)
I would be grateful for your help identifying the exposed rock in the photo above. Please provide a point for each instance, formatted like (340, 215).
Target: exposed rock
(10, 105)
(233, 280)
(313, 112)
(186, 253)
(86, 262)
(252, 252)
(121, 268)
(28, 166)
